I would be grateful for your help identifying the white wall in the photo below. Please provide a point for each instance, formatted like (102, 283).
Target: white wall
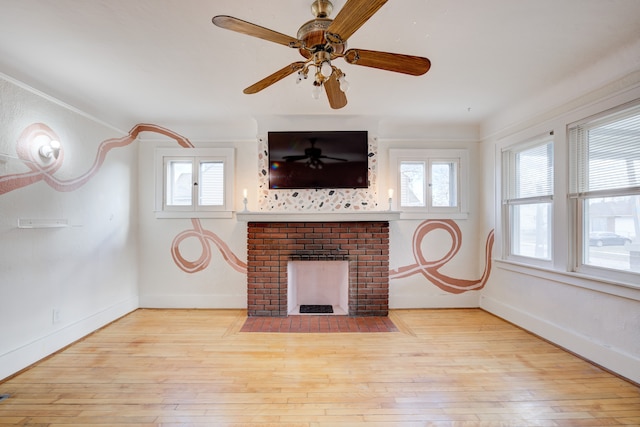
(116, 248)
(162, 283)
(86, 271)
(597, 319)
(418, 291)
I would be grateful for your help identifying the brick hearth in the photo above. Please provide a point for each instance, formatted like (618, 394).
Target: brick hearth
(271, 245)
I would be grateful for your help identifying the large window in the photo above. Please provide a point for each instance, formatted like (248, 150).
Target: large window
(605, 190)
(527, 198)
(429, 181)
(194, 182)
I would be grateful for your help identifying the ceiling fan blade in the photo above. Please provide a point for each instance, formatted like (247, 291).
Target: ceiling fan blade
(294, 158)
(406, 64)
(337, 98)
(351, 17)
(274, 78)
(333, 158)
(244, 27)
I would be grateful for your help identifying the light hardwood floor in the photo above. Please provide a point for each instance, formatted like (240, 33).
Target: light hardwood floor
(194, 367)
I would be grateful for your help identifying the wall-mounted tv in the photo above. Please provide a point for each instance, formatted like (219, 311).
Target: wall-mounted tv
(320, 159)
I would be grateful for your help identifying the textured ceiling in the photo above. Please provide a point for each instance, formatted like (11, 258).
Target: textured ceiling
(163, 62)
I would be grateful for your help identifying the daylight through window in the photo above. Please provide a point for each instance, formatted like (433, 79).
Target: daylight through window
(194, 184)
(605, 189)
(527, 199)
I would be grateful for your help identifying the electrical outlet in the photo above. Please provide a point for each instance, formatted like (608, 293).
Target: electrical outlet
(56, 315)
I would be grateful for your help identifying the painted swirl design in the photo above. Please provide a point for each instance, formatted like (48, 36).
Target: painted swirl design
(27, 152)
(204, 237)
(430, 269)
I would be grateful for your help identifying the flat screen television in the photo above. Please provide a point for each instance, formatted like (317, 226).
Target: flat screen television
(320, 159)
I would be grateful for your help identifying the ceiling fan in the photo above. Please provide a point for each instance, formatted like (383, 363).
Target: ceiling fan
(322, 40)
(313, 156)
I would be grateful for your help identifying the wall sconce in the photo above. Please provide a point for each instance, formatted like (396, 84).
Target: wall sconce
(50, 149)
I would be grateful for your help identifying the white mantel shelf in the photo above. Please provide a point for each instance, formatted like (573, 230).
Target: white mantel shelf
(318, 216)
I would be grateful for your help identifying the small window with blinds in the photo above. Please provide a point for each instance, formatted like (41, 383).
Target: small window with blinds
(527, 198)
(605, 189)
(430, 181)
(195, 184)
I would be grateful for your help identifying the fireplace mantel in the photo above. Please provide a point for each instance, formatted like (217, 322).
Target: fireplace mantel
(318, 216)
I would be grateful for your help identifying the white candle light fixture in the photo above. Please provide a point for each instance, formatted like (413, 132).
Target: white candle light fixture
(390, 197)
(244, 199)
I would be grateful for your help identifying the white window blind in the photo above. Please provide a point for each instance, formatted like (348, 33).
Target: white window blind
(527, 197)
(430, 182)
(194, 182)
(211, 185)
(531, 174)
(605, 153)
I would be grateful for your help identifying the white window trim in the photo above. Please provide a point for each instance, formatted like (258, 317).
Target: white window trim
(577, 198)
(562, 270)
(612, 285)
(428, 156)
(507, 171)
(226, 155)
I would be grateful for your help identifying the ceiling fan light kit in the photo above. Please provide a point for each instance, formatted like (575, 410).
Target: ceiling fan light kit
(322, 40)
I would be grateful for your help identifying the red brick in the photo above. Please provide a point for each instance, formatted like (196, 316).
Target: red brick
(365, 244)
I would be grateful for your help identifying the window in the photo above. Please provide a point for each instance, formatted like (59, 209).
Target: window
(527, 197)
(605, 190)
(194, 182)
(430, 181)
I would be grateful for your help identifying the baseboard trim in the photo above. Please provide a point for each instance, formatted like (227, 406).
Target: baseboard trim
(466, 300)
(193, 301)
(600, 354)
(22, 357)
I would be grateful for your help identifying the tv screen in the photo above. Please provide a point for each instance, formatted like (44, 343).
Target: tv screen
(322, 159)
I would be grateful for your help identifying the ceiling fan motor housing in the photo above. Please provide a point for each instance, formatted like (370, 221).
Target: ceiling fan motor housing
(312, 34)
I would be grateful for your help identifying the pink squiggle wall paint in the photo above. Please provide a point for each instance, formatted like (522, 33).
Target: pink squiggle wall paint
(27, 149)
(429, 269)
(38, 171)
(204, 237)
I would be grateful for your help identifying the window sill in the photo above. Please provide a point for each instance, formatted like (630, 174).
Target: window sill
(316, 216)
(433, 215)
(193, 214)
(598, 284)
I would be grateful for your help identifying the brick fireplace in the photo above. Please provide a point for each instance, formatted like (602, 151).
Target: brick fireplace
(271, 245)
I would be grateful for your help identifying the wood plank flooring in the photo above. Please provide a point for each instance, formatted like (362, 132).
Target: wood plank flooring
(195, 368)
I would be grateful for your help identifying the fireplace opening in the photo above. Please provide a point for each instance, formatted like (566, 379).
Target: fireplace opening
(318, 283)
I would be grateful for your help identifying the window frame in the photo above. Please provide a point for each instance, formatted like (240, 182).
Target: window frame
(196, 156)
(510, 201)
(578, 198)
(428, 157)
